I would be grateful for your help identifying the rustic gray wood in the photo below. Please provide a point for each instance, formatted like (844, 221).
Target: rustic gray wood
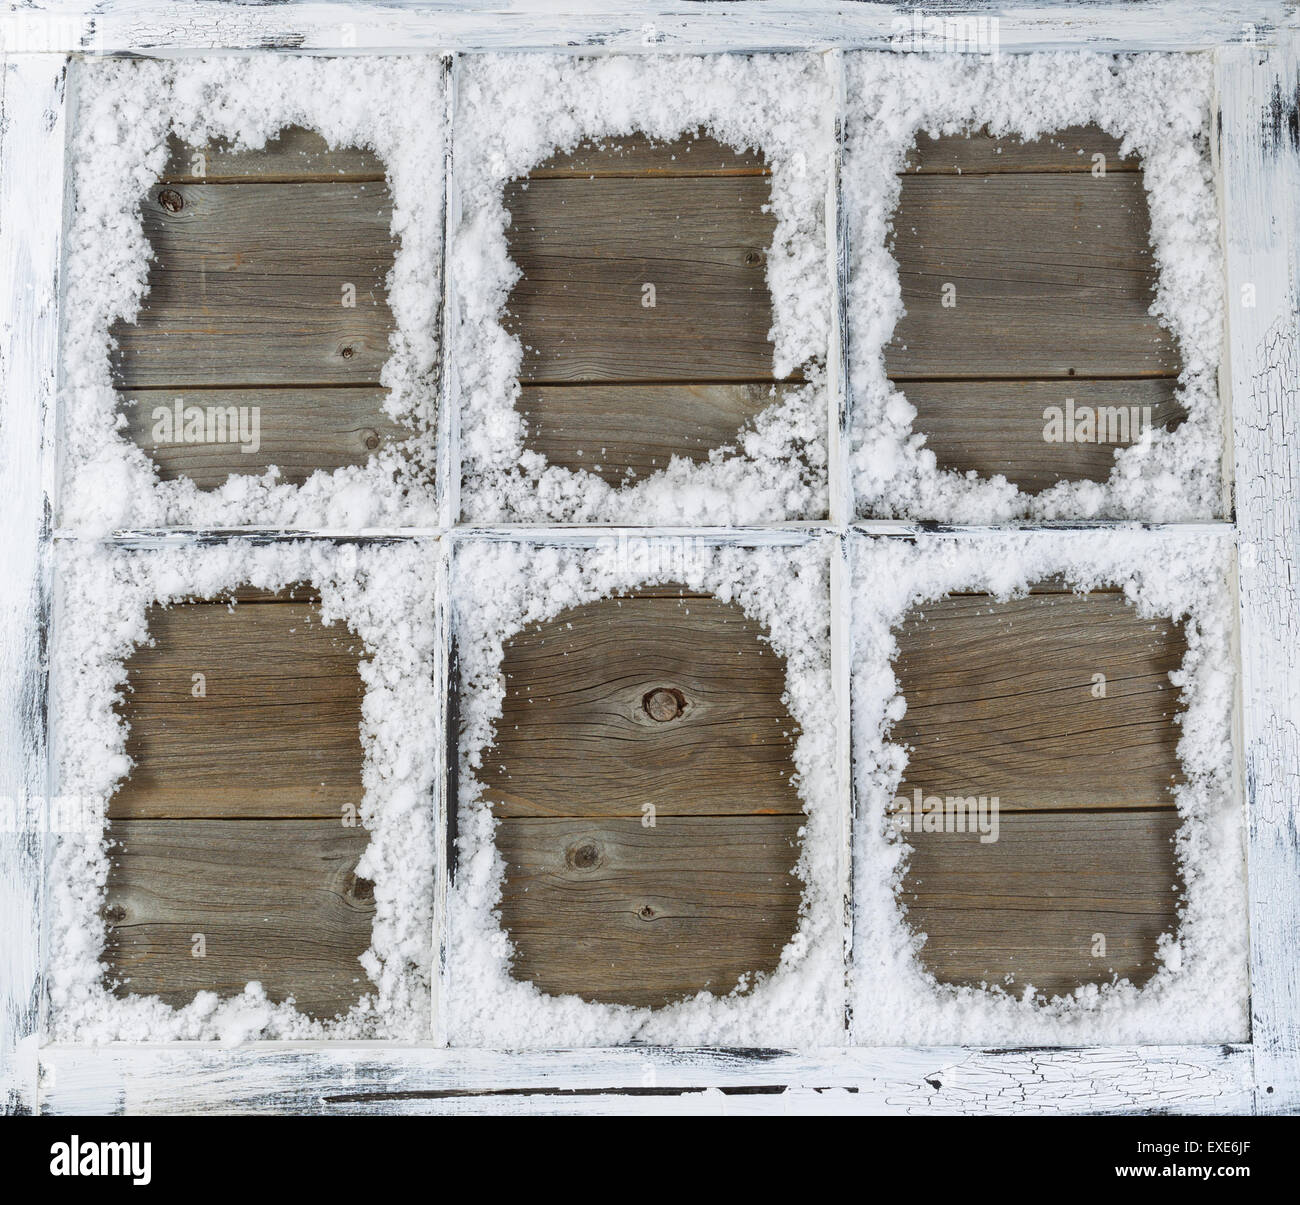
(587, 247)
(613, 911)
(622, 433)
(1067, 150)
(642, 771)
(1000, 701)
(275, 900)
(1053, 277)
(579, 314)
(992, 427)
(247, 286)
(302, 431)
(1032, 904)
(277, 733)
(579, 734)
(295, 154)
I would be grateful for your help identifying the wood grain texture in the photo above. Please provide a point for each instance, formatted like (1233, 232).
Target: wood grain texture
(277, 733)
(1000, 701)
(246, 287)
(294, 154)
(649, 826)
(1053, 277)
(612, 911)
(589, 229)
(622, 433)
(576, 737)
(301, 431)
(996, 427)
(1066, 150)
(586, 247)
(1028, 908)
(275, 900)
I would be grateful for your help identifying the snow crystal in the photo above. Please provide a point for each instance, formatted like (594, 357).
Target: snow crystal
(497, 590)
(1199, 993)
(1159, 107)
(513, 112)
(385, 596)
(124, 113)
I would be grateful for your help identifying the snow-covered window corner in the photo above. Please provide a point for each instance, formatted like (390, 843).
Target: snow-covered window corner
(1160, 107)
(498, 590)
(1199, 993)
(123, 114)
(385, 595)
(513, 112)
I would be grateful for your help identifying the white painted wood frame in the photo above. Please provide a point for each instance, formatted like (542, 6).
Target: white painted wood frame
(1258, 157)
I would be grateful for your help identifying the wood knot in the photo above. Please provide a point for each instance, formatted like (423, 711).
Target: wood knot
(372, 440)
(753, 257)
(171, 200)
(361, 890)
(347, 353)
(583, 856)
(664, 704)
(115, 914)
(646, 912)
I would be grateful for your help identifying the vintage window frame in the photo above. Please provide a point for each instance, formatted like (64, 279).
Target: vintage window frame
(1256, 44)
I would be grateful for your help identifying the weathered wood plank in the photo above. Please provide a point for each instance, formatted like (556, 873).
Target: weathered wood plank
(249, 283)
(32, 127)
(588, 248)
(1067, 150)
(1053, 277)
(660, 702)
(301, 592)
(1001, 701)
(625, 432)
(177, 28)
(1260, 183)
(1033, 905)
(346, 1078)
(300, 431)
(637, 155)
(277, 731)
(294, 154)
(998, 426)
(274, 900)
(613, 911)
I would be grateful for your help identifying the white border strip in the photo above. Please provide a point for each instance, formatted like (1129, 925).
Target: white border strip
(1261, 203)
(597, 26)
(369, 1078)
(31, 167)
